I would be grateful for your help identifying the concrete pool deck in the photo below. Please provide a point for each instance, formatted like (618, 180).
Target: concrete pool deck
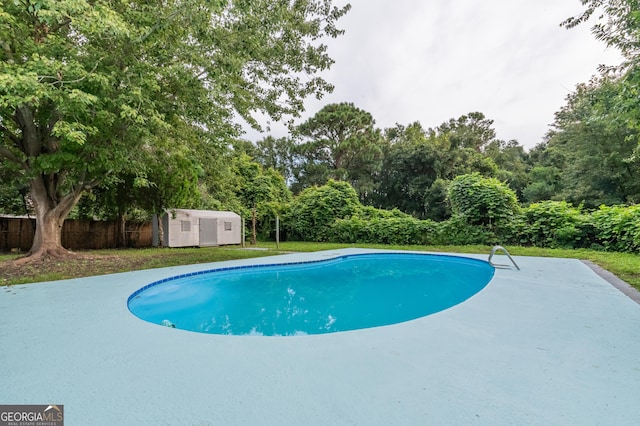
(552, 344)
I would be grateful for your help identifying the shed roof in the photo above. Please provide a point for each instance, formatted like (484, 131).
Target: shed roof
(206, 213)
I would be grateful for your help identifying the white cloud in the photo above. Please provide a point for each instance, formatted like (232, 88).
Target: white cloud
(411, 60)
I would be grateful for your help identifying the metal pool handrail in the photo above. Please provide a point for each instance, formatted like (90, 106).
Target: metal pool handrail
(497, 265)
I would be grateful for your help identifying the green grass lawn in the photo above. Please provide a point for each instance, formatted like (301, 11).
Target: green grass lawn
(625, 265)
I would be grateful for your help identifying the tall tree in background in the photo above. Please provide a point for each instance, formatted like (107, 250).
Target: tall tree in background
(600, 125)
(473, 131)
(597, 145)
(342, 143)
(617, 23)
(462, 143)
(410, 168)
(544, 176)
(512, 162)
(279, 154)
(419, 164)
(87, 88)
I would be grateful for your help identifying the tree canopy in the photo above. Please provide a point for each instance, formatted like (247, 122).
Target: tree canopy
(615, 22)
(597, 147)
(88, 89)
(340, 142)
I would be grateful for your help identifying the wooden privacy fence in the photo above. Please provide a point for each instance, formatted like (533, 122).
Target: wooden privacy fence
(16, 233)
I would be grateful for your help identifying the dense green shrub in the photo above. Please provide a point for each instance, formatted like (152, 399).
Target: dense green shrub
(370, 212)
(617, 227)
(482, 201)
(409, 230)
(392, 230)
(485, 212)
(458, 231)
(311, 214)
(554, 224)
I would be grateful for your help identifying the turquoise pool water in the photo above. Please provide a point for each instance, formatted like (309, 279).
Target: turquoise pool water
(346, 293)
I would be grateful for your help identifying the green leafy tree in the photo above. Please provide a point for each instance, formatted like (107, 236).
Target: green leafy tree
(512, 163)
(87, 88)
(243, 145)
(544, 176)
(166, 176)
(597, 145)
(410, 168)
(435, 201)
(544, 184)
(257, 187)
(419, 163)
(473, 131)
(218, 185)
(341, 143)
(277, 153)
(462, 143)
(615, 22)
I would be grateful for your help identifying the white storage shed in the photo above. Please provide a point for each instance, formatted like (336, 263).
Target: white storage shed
(190, 228)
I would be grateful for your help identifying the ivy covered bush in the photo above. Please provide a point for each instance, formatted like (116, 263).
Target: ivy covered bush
(482, 201)
(554, 224)
(617, 228)
(485, 211)
(312, 213)
(458, 231)
(392, 230)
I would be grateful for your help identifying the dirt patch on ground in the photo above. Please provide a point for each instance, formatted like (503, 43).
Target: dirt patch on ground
(85, 264)
(73, 266)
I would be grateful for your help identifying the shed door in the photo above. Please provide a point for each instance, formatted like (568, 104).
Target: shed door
(208, 232)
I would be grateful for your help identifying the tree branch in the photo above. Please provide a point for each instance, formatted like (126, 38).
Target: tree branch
(158, 25)
(67, 202)
(31, 144)
(6, 153)
(7, 50)
(16, 140)
(58, 78)
(65, 22)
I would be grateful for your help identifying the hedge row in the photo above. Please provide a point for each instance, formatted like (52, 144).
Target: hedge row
(546, 224)
(485, 212)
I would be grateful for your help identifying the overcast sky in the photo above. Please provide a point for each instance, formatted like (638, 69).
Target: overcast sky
(429, 61)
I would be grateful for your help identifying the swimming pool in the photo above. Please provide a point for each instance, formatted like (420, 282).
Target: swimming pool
(344, 293)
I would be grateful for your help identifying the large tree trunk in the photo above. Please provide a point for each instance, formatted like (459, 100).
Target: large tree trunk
(47, 241)
(50, 215)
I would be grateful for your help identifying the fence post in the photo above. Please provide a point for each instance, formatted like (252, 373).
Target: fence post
(155, 240)
(243, 234)
(277, 232)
